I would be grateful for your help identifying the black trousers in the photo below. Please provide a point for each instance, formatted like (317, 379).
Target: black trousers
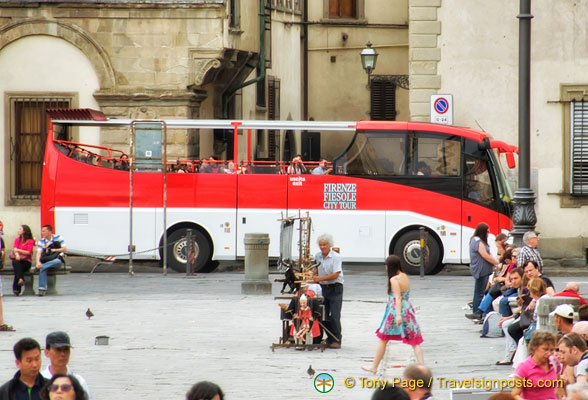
(515, 331)
(20, 267)
(333, 295)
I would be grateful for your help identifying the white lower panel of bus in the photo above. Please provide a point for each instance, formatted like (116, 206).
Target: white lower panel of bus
(103, 231)
(366, 235)
(361, 235)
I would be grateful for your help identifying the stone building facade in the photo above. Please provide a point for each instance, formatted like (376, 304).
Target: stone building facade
(137, 59)
(190, 59)
(477, 61)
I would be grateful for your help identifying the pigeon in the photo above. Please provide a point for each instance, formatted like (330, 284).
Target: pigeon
(310, 371)
(89, 313)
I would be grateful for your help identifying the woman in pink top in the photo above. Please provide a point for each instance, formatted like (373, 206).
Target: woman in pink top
(21, 257)
(537, 377)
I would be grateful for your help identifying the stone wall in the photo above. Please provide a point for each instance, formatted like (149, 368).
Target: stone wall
(424, 55)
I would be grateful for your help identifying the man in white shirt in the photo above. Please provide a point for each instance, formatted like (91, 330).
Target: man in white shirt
(58, 350)
(322, 169)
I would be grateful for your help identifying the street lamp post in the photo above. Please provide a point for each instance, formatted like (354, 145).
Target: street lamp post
(524, 216)
(369, 57)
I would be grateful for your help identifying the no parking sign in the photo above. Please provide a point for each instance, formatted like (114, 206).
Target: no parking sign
(442, 109)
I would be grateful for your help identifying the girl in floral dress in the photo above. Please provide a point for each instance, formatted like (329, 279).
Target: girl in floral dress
(399, 322)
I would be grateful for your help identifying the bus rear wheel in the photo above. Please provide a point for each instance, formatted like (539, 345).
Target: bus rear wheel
(408, 248)
(177, 251)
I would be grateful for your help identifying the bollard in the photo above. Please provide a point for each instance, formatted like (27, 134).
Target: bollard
(190, 256)
(256, 264)
(546, 305)
(422, 241)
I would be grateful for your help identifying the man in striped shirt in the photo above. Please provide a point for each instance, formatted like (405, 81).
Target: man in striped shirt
(47, 247)
(529, 251)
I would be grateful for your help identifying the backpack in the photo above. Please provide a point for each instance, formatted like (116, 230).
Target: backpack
(490, 328)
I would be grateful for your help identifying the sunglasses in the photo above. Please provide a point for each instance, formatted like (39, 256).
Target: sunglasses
(66, 387)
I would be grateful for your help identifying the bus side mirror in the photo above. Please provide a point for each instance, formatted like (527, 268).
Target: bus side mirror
(510, 161)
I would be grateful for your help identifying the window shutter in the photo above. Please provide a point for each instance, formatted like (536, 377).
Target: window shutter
(273, 113)
(347, 8)
(260, 90)
(383, 100)
(343, 8)
(579, 148)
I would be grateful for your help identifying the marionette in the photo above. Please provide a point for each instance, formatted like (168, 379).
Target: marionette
(305, 316)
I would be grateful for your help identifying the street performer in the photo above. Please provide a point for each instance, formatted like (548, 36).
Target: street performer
(330, 276)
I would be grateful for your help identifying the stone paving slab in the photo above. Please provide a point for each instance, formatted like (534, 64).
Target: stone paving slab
(167, 333)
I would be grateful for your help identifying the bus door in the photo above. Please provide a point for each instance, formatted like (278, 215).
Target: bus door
(261, 202)
(480, 202)
(433, 189)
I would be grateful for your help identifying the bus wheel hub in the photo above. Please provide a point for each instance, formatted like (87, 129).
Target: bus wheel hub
(412, 253)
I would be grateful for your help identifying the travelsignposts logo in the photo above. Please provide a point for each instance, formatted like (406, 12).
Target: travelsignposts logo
(323, 383)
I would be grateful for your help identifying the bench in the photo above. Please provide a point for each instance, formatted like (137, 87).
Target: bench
(29, 279)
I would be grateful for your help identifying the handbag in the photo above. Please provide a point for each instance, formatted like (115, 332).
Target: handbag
(529, 331)
(526, 315)
(46, 257)
(495, 290)
(49, 255)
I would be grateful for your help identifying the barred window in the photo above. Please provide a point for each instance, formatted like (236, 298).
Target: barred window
(29, 126)
(579, 148)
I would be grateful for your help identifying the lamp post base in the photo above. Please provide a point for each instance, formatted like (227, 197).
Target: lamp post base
(523, 216)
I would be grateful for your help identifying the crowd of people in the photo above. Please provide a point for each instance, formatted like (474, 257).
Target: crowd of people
(511, 285)
(57, 381)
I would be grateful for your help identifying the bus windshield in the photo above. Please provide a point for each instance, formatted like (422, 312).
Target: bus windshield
(504, 189)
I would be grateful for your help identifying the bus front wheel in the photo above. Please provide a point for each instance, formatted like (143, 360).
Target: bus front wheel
(408, 248)
(177, 250)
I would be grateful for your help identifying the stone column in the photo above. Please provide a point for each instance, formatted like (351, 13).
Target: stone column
(423, 56)
(256, 264)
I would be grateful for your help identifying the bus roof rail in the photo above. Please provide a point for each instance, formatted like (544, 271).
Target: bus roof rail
(82, 114)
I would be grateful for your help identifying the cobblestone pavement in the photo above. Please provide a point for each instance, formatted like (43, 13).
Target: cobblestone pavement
(168, 332)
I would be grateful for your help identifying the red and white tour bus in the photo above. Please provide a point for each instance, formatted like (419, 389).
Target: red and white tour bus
(391, 179)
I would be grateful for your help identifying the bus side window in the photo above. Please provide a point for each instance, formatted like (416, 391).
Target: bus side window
(436, 156)
(478, 184)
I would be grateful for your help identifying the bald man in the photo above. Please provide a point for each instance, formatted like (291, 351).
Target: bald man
(419, 379)
(572, 290)
(581, 328)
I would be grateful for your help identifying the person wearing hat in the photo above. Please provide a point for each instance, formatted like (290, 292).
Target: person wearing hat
(574, 352)
(4, 327)
(58, 350)
(563, 318)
